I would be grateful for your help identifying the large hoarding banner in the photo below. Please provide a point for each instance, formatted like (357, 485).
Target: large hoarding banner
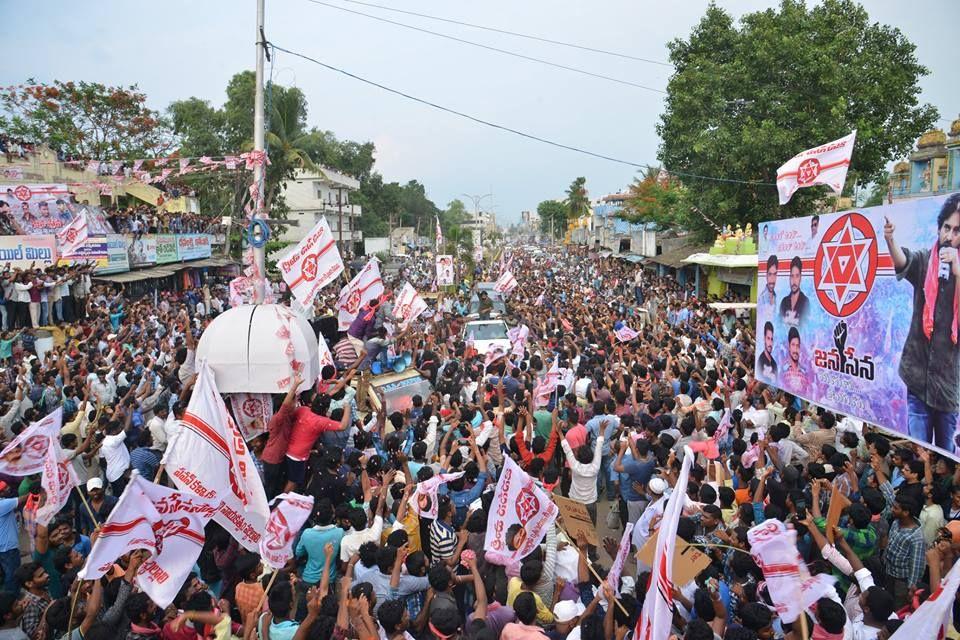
(858, 313)
(166, 248)
(22, 251)
(94, 249)
(141, 250)
(117, 259)
(37, 208)
(192, 246)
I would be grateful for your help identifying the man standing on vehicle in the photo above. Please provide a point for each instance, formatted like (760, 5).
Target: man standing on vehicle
(485, 307)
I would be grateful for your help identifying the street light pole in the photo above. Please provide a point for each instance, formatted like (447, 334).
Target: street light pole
(340, 214)
(259, 253)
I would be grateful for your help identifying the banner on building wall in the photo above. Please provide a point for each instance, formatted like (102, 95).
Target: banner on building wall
(22, 251)
(193, 246)
(858, 312)
(37, 208)
(141, 250)
(117, 258)
(166, 248)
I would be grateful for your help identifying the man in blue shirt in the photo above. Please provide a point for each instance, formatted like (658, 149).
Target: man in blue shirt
(635, 468)
(10, 536)
(313, 541)
(605, 419)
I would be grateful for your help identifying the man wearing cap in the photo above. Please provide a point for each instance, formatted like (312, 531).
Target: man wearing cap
(100, 503)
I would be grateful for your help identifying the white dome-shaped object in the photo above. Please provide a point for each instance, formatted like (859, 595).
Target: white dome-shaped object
(253, 349)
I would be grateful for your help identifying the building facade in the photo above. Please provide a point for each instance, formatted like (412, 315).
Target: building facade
(325, 193)
(932, 169)
(619, 236)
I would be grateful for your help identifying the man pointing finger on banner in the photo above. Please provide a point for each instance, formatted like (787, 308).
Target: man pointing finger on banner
(930, 362)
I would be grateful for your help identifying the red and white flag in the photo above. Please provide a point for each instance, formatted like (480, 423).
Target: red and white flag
(439, 236)
(493, 354)
(423, 502)
(364, 287)
(791, 587)
(626, 334)
(543, 391)
(58, 480)
(934, 618)
(26, 454)
(657, 614)
(167, 523)
(518, 338)
(520, 515)
(323, 353)
(505, 283)
(72, 236)
(248, 409)
(209, 458)
(616, 569)
(826, 164)
(408, 306)
(287, 518)
(312, 265)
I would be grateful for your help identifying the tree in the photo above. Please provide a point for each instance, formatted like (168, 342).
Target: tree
(744, 99)
(286, 140)
(577, 202)
(85, 120)
(659, 199)
(553, 217)
(878, 192)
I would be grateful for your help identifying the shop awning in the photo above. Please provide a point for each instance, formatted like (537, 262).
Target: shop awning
(204, 263)
(676, 258)
(738, 261)
(631, 257)
(140, 274)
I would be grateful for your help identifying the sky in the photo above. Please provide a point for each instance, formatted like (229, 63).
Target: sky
(177, 48)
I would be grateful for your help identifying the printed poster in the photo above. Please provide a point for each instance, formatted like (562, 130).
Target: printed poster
(166, 248)
(142, 250)
(858, 312)
(117, 258)
(22, 251)
(444, 270)
(37, 208)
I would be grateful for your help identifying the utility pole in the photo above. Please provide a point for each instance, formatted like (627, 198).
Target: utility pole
(340, 214)
(259, 253)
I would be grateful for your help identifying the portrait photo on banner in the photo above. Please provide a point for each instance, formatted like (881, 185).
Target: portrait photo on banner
(857, 311)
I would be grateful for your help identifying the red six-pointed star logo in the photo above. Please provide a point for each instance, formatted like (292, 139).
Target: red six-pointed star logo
(23, 193)
(846, 265)
(808, 171)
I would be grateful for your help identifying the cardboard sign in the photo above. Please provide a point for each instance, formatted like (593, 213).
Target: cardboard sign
(576, 519)
(688, 561)
(838, 502)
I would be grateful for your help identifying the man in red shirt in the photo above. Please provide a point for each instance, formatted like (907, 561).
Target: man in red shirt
(308, 424)
(278, 435)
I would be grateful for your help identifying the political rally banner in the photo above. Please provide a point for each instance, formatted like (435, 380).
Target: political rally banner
(252, 412)
(825, 164)
(166, 249)
(520, 514)
(857, 312)
(934, 618)
(22, 251)
(505, 283)
(141, 250)
(117, 259)
(37, 208)
(26, 454)
(792, 589)
(286, 520)
(616, 569)
(167, 523)
(209, 458)
(312, 264)
(408, 306)
(423, 502)
(625, 333)
(58, 480)
(364, 287)
(74, 235)
(444, 270)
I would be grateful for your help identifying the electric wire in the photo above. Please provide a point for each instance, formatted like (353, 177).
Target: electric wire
(549, 63)
(517, 132)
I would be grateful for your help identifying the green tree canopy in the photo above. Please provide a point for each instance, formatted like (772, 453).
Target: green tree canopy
(553, 217)
(659, 199)
(745, 98)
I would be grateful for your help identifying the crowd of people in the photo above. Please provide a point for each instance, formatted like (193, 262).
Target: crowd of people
(612, 436)
(146, 219)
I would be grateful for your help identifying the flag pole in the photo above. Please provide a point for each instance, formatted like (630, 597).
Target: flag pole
(270, 584)
(156, 478)
(89, 510)
(73, 607)
(592, 570)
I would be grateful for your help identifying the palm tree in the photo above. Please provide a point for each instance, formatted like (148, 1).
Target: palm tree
(287, 140)
(577, 202)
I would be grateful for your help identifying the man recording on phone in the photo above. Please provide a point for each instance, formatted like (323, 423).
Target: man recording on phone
(930, 362)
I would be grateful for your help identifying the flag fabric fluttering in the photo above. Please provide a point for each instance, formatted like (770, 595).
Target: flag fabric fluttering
(934, 618)
(546, 387)
(73, 236)
(26, 454)
(626, 334)
(826, 164)
(657, 615)
(364, 287)
(423, 501)
(312, 264)
(167, 523)
(287, 518)
(58, 480)
(439, 245)
(209, 457)
(520, 514)
(505, 283)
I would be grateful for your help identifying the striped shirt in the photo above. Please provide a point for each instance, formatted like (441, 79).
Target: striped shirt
(344, 353)
(443, 541)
